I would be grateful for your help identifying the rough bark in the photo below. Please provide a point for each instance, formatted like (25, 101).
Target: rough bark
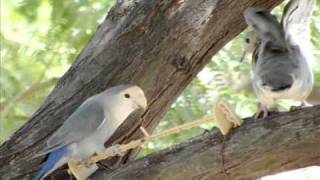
(159, 45)
(278, 143)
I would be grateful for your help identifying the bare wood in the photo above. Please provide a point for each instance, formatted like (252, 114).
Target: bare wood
(159, 45)
(257, 148)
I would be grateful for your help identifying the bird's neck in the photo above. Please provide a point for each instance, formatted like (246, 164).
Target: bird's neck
(119, 113)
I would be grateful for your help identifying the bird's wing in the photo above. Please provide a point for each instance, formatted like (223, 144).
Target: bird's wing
(83, 122)
(296, 20)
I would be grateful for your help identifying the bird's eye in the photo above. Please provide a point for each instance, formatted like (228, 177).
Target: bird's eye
(247, 40)
(260, 12)
(127, 95)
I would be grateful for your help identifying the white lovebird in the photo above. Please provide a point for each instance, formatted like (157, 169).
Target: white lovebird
(91, 125)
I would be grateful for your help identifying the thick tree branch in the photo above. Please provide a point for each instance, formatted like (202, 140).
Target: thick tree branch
(278, 143)
(159, 45)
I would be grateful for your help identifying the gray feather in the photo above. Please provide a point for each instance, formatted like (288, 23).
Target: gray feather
(266, 26)
(84, 121)
(296, 20)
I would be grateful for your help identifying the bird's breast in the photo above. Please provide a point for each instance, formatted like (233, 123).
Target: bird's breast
(298, 92)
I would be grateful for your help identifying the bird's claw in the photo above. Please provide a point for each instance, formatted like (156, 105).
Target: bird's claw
(262, 110)
(81, 171)
(303, 105)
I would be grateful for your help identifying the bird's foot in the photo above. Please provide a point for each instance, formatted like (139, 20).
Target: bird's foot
(262, 111)
(80, 171)
(294, 108)
(101, 155)
(303, 105)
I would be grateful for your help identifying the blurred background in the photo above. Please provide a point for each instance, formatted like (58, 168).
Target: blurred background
(40, 40)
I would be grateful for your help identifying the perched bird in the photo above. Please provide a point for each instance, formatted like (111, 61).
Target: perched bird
(282, 54)
(91, 125)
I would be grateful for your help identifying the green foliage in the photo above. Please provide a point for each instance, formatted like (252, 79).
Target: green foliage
(40, 40)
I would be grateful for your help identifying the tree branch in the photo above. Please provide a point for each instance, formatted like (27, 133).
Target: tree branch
(156, 44)
(278, 143)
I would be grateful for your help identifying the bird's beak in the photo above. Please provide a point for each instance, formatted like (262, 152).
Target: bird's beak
(143, 103)
(244, 55)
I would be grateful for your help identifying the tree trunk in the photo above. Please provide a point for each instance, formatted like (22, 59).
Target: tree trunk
(159, 45)
(278, 143)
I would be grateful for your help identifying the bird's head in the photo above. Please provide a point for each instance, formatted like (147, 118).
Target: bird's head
(135, 96)
(128, 96)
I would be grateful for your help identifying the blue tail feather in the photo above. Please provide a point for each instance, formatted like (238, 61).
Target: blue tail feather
(53, 158)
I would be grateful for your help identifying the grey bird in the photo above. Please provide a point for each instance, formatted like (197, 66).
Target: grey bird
(282, 55)
(90, 126)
